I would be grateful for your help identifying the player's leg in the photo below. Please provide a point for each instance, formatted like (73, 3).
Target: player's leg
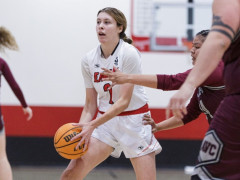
(5, 168)
(79, 168)
(140, 145)
(145, 167)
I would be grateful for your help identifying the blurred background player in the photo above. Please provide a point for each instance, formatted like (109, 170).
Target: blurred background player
(205, 99)
(219, 155)
(8, 41)
(118, 126)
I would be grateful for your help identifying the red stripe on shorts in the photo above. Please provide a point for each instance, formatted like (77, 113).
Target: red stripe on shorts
(143, 109)
(147, 146)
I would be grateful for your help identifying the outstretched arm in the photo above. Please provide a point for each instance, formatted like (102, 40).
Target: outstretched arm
(174, 122)
(158, 81)
(170, 123)
(118, 77)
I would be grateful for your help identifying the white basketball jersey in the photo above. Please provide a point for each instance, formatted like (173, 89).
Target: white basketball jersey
(127, 59)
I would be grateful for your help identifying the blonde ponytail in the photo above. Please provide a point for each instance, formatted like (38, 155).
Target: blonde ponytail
(7, 40)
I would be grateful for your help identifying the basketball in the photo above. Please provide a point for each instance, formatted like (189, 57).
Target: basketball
(63, 144)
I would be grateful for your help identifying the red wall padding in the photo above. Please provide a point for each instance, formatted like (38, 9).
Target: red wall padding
(46, 120)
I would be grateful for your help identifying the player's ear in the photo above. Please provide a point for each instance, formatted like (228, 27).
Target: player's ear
(120, 29)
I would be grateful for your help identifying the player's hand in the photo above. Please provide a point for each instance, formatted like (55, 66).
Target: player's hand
(116, 76)
(178, 101)
(85, 134)
(29, 112)
(147, 120)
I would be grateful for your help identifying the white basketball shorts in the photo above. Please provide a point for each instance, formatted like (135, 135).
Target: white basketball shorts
(127, 134)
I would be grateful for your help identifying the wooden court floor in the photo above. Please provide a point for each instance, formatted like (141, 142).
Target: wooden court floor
(53, 173)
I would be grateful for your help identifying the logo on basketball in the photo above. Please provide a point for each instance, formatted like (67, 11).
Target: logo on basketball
(80, 147)
(70, 136)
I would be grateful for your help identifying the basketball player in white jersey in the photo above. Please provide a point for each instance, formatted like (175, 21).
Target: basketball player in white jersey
(118, 126)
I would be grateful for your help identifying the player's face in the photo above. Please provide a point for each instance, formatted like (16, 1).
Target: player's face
(107, 29)
(196, 46)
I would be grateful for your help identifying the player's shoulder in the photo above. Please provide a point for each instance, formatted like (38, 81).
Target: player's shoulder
(91, 54)
(93, 51)
(128, 46)
(129, 49)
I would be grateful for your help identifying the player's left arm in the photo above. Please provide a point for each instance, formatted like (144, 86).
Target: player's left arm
(13, 84)
(171, 123)
(115, 109)
(16, 90)
(225, 25)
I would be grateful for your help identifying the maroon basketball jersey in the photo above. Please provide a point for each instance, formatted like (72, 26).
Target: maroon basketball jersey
(219, 156)
(206, 97)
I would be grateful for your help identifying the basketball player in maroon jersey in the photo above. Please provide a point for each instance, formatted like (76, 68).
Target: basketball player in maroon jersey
(219, 155)
(8, 41)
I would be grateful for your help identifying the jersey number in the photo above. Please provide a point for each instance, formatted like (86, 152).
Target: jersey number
(105, 88)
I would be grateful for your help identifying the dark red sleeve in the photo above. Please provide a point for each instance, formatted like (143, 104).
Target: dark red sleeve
(171, 82)
(193, 109)
(12, 83)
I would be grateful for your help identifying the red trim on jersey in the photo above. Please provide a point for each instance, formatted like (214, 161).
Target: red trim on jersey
(143, 109)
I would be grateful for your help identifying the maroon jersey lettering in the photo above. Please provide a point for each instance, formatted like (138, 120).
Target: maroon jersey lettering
(208, 147)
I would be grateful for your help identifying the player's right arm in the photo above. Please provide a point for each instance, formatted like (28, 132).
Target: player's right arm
(90, 106)
(171, 82)
(118, 77)
(159, 81)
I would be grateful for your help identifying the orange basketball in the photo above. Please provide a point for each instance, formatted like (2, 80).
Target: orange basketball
(63, 144)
